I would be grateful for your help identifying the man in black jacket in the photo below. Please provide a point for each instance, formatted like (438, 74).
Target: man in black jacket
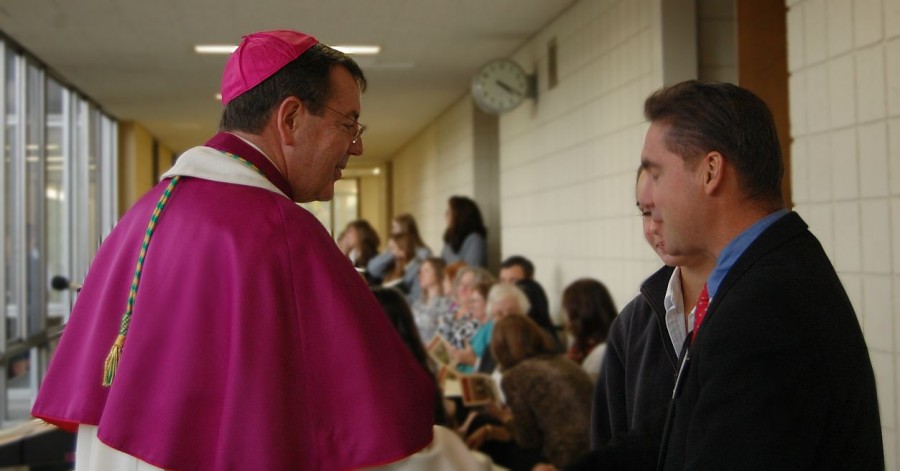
(778, 375)
(638, 374)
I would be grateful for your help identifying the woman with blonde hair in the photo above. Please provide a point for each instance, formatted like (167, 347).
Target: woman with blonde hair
(433, 303)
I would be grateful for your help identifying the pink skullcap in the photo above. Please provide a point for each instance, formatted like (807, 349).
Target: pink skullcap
(258, 57)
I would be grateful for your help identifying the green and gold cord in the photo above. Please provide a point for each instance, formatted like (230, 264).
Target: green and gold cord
(112, 360)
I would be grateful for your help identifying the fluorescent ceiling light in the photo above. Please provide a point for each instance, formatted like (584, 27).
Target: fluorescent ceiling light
(229, 48)
(358, 49)
(214, 48)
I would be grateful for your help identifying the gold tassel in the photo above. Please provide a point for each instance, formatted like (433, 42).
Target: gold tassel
(112, 361)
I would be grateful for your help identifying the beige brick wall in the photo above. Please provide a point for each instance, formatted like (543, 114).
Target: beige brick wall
(844, 61)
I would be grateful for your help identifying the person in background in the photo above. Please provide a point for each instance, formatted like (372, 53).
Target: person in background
(447, 451)
(451, 270)
(516, 268)
(504, 299)
(247, 371)
(458, 326)
(404, 255)
(394, 305)
(465, 237)
(359, 241)
(467, 357)
(519, 271)
(433, 303)
(589, 311)
(777, 375)
(549, 397)
(638, 374)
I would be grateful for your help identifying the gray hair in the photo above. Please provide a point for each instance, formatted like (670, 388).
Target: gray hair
(502, 291)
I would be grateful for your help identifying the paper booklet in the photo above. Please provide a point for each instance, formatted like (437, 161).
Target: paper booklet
(440, 349)
(478, 389)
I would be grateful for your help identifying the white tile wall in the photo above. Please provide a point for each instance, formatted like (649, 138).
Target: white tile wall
(863, 131)
(795, 36)
(840, 26)
(891, 18)
(867, 22)
(818, 100)
(876, 236)
(895, 229)
(818, 154)
(842, 100)
(847, 243)
(894, 155)
(814, 28)
(845, 169)
(870, 86)
(873, 163)
(892, 66)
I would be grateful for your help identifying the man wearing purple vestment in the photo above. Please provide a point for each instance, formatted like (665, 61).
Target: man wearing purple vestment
(248, 341)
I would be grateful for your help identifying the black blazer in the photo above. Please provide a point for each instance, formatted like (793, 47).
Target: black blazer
(779, 375)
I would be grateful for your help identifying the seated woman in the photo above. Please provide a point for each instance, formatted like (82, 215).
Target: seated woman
(590, 311)
(466, 236)
(458, 326)
(503, 299)
(446, 451)
(401, 260)
(433, 303)
(549, 396)
(467, 357)
(394, 305)
(359, 241)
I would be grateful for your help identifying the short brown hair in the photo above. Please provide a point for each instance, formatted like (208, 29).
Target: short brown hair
(725, 118)
(518, 338)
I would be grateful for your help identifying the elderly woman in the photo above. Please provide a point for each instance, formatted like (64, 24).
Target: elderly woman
(502, 300)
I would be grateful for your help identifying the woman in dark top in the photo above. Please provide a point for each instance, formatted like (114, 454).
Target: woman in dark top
(590, 311)
(394, 304)
(465, 237)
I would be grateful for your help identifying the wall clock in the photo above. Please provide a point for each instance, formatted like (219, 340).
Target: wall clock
(501, 85)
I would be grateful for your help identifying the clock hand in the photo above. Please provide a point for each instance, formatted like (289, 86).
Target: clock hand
(509, 89)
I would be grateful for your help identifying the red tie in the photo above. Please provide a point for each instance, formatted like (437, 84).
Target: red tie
(700, 310)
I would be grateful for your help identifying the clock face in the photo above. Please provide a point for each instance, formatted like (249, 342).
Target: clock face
(500, 86)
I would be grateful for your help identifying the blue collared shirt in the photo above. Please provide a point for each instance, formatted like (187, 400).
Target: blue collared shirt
(736, 248)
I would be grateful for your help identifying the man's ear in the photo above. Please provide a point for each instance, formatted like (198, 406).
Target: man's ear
(712, 168)
(288, 118)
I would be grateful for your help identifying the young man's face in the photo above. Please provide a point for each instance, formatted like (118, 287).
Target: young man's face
(676, 194)
(512, 274)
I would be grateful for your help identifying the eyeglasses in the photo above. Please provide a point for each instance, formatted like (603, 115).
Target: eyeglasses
(360, 127)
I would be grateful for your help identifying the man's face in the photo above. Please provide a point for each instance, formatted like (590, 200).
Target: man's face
(652, 232)
(512, 274)
(674, 196)
(325, 141)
